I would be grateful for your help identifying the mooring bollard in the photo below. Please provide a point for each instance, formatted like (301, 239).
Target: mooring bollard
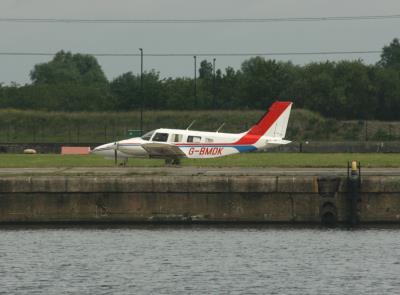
(354, 184)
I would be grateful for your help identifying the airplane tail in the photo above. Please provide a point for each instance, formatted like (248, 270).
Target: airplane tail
(272, 124)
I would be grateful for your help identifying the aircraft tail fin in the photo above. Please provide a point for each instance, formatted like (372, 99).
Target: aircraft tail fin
(273, 123)
(276, 120)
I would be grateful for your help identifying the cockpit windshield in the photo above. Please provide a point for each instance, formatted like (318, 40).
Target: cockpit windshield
(148, 135)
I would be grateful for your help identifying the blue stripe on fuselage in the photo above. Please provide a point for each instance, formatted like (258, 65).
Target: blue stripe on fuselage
(240, 148)
(245, 148)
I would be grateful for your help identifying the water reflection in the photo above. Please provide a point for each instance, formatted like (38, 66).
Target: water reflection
(246, 259)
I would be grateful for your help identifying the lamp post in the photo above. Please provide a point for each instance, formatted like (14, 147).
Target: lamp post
(195, 80)
(141, 91)
(214, 89)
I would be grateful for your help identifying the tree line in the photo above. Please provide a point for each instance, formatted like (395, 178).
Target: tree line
(341, 90)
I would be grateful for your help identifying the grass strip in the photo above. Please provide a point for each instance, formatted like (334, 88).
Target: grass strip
(290, 160)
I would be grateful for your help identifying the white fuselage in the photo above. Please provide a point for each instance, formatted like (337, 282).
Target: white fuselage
(193, 144)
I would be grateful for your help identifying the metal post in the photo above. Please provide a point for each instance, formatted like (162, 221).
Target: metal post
(116, 153)
(354, 181)
(214, 89)
(195, 80)
(141, 91)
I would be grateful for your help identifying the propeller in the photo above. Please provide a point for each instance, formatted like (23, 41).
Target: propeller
(116, 153)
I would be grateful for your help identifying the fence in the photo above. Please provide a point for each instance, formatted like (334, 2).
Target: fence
(91, 132)
(68, 134)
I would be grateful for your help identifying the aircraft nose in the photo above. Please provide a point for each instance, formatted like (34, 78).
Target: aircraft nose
(103, 148)
(95, 150)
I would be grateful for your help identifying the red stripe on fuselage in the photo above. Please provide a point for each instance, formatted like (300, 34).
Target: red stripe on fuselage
(258, 130)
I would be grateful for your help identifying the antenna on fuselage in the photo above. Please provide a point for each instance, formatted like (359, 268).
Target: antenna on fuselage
(191, 124)
(220, 127)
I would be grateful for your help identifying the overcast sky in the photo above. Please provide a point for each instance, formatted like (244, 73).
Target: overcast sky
(189, 38)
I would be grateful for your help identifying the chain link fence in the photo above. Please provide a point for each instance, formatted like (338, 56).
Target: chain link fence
(34, 127)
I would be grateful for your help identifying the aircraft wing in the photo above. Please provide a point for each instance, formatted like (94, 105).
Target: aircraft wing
(163, 150)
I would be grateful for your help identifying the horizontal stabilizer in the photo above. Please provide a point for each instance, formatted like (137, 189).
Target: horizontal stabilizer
(279, 141)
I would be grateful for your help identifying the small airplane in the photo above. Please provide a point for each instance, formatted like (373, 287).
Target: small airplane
(174, 144)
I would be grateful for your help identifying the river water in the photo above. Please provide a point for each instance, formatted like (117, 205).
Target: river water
(199, 260)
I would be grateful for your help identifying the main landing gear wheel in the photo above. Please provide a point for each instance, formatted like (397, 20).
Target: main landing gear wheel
(124, 163)
(172, 161)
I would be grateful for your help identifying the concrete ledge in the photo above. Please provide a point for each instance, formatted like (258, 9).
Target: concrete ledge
(381, 184)
(75, 199)
(156, 184)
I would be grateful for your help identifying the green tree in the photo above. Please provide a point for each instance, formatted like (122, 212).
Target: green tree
(387, 92)
(178, 93)
(228, 89)
(264, 81)
(127, 91)
(344, 89)
(66, 67)
(354, 91)
(316, 88)
(206, 70)
(205, 85)
(390, 56)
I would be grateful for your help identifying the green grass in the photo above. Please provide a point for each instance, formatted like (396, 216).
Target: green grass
(241, 160)
(55, 160)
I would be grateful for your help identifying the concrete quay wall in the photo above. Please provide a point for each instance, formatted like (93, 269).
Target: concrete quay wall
(158, 198)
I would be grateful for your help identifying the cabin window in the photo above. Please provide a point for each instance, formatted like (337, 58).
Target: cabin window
(193, 138)
(160, 137)
(209, 140)
(148, 135)
(177, 137)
